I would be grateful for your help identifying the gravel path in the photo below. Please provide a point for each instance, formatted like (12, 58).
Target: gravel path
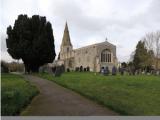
(55, 100)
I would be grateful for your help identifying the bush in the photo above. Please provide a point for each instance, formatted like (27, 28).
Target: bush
(4, 67)
(16, 67)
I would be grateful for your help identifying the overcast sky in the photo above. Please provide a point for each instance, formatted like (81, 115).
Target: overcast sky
(123, 22)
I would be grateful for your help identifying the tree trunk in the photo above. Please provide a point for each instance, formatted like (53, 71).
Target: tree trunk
(34, 68)
(27, 68)
(31, 68)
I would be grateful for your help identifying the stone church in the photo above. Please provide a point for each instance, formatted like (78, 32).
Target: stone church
(93, 56)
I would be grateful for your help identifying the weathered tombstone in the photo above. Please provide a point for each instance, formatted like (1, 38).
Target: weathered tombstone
(53, 69)
(68, 70)
(57, 71)
(106, 71)
(88, 69)
(130, 71)
(62, 68)
(122, 71)
(114, 70)
(158, 72)
(81, 68)
(77, 69)
(102, 70)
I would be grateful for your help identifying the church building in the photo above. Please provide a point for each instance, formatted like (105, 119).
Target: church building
(94, 56)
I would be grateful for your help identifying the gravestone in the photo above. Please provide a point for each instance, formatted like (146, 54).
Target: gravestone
(88, 69)
(57, 72)
(81, 68)
(122, 71)
(114, 70)
(106, 71)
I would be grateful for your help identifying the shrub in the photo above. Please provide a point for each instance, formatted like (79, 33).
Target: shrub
(4, 67)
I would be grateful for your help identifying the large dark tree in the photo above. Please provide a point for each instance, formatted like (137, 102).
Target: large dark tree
(31, 39)
(142, 57)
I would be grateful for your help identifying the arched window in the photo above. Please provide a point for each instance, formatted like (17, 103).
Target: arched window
(106, 56)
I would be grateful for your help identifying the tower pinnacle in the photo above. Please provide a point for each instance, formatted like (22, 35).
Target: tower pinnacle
(66, 37)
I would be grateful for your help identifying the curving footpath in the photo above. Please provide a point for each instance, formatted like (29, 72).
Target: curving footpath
(55, 100)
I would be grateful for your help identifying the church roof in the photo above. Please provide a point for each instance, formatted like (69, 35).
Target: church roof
(66, 37)
(96, 44)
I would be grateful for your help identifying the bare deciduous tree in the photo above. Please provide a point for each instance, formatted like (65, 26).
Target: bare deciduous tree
(152, 42)
(157, 47)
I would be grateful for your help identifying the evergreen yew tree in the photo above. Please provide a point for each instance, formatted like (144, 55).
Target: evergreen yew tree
(142, 57)
(31, 39)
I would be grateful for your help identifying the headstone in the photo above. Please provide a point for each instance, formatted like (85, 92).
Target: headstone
(114, 70)
(81, 68)
(68, 70)
(57, 71)
(102, 70)
(158, 72)
(122, 71)
(77, 69)
(88, 69)
(106, 71)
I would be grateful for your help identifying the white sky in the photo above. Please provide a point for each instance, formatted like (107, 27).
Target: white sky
(123, 22)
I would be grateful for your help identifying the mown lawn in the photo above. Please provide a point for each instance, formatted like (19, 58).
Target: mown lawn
(128, 95)
(16, 93)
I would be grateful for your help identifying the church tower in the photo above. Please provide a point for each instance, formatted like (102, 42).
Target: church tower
(66, 46)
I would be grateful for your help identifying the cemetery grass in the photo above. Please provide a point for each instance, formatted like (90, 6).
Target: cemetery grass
(127, 95)
(16, 93)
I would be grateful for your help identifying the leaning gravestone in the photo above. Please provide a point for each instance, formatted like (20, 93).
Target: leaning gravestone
(114, 70)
